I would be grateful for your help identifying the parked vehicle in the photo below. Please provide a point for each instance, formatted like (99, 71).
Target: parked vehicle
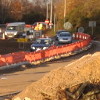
(58, 32)
(42, 44)
(64, 37)
(15, 29)
(40, 26)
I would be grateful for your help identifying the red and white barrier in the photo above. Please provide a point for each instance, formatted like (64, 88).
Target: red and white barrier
(14, 58)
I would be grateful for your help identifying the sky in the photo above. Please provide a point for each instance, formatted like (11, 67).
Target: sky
(40, 0)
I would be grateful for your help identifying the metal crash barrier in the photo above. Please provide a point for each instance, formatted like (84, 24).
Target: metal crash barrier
(54, 52)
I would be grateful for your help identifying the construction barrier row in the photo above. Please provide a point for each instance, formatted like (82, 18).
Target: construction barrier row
(17, 57)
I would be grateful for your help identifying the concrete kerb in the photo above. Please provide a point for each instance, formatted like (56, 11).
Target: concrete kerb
(13, 65)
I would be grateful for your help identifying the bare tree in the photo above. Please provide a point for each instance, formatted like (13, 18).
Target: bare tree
(16, 10)
(4, 8)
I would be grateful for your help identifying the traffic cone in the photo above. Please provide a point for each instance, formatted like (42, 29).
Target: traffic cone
(3, 36)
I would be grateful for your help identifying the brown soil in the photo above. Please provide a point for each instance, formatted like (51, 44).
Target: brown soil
(53, 85)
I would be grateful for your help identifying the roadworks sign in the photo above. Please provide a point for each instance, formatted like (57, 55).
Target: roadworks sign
(22, 40)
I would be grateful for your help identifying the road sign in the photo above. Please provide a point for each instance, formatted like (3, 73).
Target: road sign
(81, 29)
(22, 40)
(50, 24)
(68, 25)
(47, 21)
(92, 23)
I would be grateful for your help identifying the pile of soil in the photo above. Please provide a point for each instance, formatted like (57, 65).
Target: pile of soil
(53, 85)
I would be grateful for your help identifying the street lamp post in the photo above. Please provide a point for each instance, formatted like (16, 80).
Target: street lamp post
(51, 13)
(47, 15)
(54, 22)
(64, 10)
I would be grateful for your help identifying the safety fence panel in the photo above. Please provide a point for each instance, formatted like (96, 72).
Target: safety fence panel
(12, 58)
(8, 59)
(86, 42)
(34, 56)
(2, 61)
(38, 55)
(81, 36)
(17, 57)
(50, 52)
(76, 46)
(30, 57)
(63, 49)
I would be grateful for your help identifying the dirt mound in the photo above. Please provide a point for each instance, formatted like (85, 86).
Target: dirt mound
(55, 84)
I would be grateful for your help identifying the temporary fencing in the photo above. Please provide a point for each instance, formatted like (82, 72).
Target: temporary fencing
(12, 58)
(44, 55)
(84, 40)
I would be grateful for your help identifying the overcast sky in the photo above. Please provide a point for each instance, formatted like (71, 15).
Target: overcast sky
(40, 0)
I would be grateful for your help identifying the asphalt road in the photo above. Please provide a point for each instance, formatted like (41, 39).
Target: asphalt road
(11, 45)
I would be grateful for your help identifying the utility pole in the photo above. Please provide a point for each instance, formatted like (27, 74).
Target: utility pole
(47, 15)
(54, 22)
(64, 10)
(51, 9)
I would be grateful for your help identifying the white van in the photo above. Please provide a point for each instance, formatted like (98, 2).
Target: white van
(15, 29)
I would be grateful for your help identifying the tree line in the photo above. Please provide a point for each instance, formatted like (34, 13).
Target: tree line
(21, 10)
(78, 12)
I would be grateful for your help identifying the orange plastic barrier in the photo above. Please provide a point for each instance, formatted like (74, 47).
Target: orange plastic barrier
(12, 58)
(18, 57)
(8, 59)
(80, 36)
(51, 52)
(2, 61)
(34, 56)
(38, 55)
(30, 57)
